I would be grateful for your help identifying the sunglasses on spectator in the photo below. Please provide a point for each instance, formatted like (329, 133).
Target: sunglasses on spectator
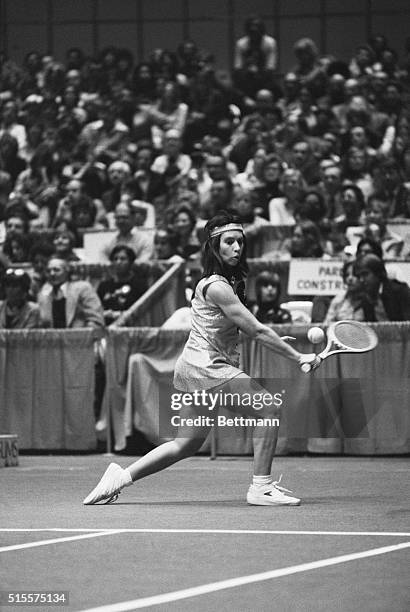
(15, 272)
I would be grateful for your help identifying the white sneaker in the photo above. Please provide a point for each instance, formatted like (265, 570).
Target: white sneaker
(109, 487)
(270, 495)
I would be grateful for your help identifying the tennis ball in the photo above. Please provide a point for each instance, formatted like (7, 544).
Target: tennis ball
(316, 335)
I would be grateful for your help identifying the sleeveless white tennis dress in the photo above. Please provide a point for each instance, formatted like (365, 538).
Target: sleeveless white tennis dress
(210, 356)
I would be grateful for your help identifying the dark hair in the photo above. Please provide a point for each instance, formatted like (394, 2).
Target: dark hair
(18, 214)
(183, 208)
(372, 263)
(254, 20)
(23, 242)
(211, 259)
(268, 277)
(347, 264)
(313, 239)
(85, 204)
(375, 246)
(309, 211)
(122, 247)
(41, 248)
(358, 193)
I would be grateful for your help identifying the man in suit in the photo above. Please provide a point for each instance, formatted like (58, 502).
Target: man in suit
(68, 304)
(384, 299)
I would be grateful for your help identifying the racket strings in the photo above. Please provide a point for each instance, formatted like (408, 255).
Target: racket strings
(353, 336)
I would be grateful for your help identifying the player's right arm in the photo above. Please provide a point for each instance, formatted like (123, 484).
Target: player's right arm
(222, 295)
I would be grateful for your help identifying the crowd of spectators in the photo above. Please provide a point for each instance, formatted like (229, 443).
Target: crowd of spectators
(153, 150)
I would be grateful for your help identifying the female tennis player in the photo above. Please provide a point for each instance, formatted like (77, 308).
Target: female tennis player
(209, 363)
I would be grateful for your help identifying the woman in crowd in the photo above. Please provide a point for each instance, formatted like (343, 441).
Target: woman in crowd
(16, 248)
(267, 308)
(269, 188)
(306, 240)
(282, 209)
(346, 305)
(16, 311)
(64, 242)
(183, 224)
(124, 287)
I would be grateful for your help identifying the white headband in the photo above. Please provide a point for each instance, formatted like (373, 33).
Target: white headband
(226, 228)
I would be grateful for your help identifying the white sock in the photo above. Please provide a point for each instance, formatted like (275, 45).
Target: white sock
(261, 481)
(127, 480)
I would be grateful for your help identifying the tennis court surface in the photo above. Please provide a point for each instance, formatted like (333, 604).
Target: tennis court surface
(185, 539)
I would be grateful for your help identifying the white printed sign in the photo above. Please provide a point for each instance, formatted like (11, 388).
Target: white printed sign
(315, 277)
(318, 277)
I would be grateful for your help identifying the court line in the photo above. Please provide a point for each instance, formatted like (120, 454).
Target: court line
(58, 540)
(212, 587)
(400, 534)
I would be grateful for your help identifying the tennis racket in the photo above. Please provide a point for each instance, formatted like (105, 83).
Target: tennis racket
(346, 337)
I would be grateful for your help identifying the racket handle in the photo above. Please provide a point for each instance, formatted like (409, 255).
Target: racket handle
(306, 367)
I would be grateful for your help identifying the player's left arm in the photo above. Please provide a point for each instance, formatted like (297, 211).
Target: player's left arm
(223, 296)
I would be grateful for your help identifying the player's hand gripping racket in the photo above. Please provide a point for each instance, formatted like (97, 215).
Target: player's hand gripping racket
(346, 337)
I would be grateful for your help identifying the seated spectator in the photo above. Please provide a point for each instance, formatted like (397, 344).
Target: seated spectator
(16, 248)
(267, 308)
(281, 209)
(165, 247)
(10, 161)
(356, 171)
(38, 176)
(220, 197)
(144, 83)
(16, 223)
(118, 173)
(311, 207)
(331, 186)
(353, 205)
(306, 240)
(124, 287)
(146, 185)
(376, 228)
(289, 102)
(104, 138)
(302, 159)
(183, 228)
(256, 48)
(368, 245)
(358, 136)
(40, 253)
(347, 304)
(308, 68)
(140, 241)
(213, 167)
(172, 155)
(168, 112)
(390, 189)
(243, 207)
(268, 189)
(83, 218)
(64, 242)
(76, 195)
(383, 299)
(361, 64)
(402, 155)
(5, 190)
(68, 304)
(9, 125)
(16, 311)
(252, 176)
(245, 144)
